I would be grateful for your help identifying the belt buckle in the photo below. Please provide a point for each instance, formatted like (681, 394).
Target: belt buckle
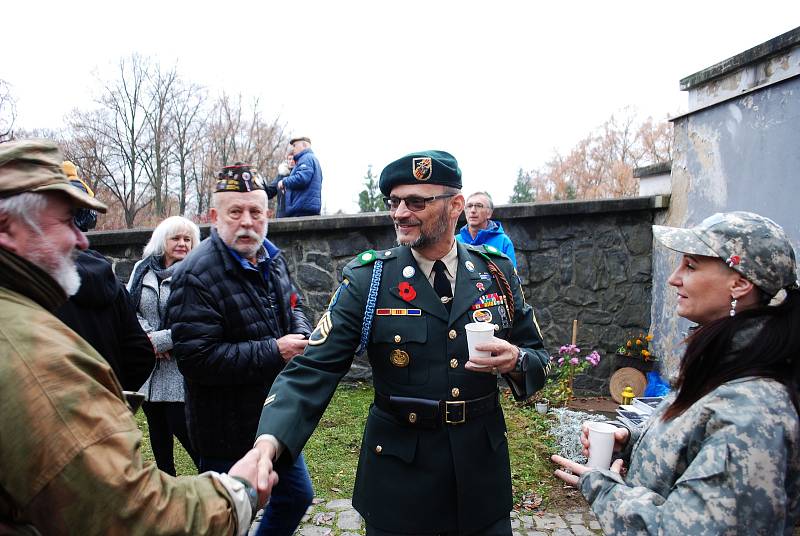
(456, 403)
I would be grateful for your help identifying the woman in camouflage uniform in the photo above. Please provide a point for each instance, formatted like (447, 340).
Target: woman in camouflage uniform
(721, 455)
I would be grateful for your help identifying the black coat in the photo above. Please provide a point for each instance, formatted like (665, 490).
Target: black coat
(224, 341)
(102, 314)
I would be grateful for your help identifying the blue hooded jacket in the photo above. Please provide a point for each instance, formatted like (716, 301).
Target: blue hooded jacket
(492, 235)
(303, 186)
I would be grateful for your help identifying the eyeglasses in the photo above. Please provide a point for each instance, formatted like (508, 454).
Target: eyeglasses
(413, 203)
(475, 205)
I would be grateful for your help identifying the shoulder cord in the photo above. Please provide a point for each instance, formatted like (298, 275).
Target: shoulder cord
(502, 282)
(369, 310)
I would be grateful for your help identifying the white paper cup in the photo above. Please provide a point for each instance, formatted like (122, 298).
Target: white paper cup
(601, 444)
(477, 333)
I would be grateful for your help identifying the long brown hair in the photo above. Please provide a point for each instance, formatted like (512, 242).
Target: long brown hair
(774, 352)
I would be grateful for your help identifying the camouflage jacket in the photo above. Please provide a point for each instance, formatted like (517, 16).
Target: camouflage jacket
(730, 464)
(70, 450)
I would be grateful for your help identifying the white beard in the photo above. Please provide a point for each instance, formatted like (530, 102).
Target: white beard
(64, 271)
(67, 277)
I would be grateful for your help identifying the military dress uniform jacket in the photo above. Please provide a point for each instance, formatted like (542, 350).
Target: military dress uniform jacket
(414, 477)
(730, 464)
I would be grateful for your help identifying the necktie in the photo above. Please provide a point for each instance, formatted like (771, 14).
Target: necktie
(442, 285)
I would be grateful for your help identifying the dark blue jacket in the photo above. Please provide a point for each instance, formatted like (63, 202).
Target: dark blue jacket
(224, 334)
(493, 235)
(304, 186)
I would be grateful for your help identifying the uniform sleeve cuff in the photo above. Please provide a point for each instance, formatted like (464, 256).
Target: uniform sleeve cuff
(239, 499)
(275, 443)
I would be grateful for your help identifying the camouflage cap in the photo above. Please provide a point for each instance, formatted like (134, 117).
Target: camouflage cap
(424, 167)
(753, 245)
(35, 166)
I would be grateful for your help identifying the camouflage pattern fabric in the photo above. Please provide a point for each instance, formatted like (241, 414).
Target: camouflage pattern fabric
(753, 245)
(730, 464)
(70, 459)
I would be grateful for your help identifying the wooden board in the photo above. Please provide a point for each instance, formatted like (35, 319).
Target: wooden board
(624, 377)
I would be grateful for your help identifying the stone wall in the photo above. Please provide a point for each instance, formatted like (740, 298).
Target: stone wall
(589, 261)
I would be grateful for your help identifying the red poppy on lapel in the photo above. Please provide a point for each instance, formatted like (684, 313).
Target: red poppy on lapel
(293, 300)
(406, 291)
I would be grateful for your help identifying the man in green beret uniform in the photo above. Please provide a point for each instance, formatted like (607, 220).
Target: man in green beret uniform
(434, 455)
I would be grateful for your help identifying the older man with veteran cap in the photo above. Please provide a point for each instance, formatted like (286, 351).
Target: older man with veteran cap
(237, 319)
(434, 455)
(302, 189)
(70, 450)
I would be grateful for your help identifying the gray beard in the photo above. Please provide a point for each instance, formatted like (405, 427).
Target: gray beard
(426, 239)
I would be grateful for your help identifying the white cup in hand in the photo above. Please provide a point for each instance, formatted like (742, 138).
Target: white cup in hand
(601, 444)
(479, 333)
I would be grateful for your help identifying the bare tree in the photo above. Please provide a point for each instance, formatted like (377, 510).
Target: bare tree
(156, 147)
(186, 131)
(8, 112)
(113, 136)
(237, 133)
(601, 164)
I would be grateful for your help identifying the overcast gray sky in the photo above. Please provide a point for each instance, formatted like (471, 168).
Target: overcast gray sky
(499, 84)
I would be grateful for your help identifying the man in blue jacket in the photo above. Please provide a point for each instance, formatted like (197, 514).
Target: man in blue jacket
(302, 189)
(480, 229)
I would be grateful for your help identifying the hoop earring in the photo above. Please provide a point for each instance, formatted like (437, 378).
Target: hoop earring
(733, 306)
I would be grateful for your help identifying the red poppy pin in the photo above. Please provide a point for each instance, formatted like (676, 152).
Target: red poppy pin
(733, 260)
(293, 300)
(406, 291)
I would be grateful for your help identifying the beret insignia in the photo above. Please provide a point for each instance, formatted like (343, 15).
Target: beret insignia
(421, 168)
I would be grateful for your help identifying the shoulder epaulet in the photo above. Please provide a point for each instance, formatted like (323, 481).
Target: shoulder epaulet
(491, 250)
(370, 256)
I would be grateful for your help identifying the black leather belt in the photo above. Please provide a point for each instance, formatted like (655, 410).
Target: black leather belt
(432, 413)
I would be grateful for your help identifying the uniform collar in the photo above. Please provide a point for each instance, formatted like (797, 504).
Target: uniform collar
(450, 261)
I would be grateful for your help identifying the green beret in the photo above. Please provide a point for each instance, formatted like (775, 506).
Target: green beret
(424, 167)
(35, 166)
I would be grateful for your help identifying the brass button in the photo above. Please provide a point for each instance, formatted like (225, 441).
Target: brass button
(378, 449)
(454, 363)
(412, 417)
(387, 253)
(455, 392)
(452, 334)
(397, 338)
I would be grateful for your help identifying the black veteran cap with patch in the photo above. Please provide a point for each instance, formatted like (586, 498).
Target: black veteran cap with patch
(424, 167)
(238, 178)
(753, 245)
(35, 166)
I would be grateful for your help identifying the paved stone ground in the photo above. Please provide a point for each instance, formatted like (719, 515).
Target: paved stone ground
(338, 518)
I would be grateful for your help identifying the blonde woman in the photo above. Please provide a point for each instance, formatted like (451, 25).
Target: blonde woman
(149, 287)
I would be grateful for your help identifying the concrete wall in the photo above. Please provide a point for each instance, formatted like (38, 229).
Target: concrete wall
(655, 179)
(738, 149)
(585, 260)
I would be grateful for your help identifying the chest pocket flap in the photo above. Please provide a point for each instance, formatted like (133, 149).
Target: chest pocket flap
(399, 329)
